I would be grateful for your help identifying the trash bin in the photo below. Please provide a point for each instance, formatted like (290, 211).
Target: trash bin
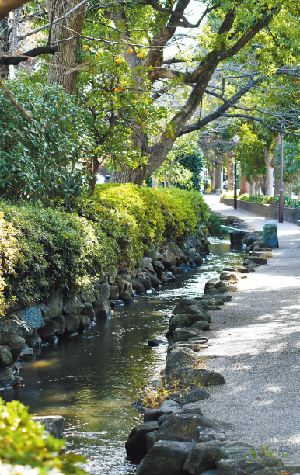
(270, 233)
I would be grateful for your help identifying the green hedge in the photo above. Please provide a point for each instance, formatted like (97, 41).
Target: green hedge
(45, 249)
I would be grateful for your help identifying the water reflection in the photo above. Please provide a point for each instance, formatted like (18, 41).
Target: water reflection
(93, 378)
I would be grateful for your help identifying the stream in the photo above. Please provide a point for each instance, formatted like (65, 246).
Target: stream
(93, 378)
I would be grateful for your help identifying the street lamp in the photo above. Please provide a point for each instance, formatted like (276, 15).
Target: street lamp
(280, 220)
(235, 141)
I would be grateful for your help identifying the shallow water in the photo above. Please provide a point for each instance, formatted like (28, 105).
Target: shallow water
(92, 379)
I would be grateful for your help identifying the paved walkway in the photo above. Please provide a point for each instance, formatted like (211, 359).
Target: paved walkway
(256, 342)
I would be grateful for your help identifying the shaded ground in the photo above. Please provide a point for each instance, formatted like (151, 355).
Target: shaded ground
(256, 341)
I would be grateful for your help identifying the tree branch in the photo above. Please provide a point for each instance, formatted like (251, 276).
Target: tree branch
(29, 54)
(14, 102)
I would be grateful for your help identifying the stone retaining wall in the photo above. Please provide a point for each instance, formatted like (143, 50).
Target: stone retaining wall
(290, 215)
(24, 329)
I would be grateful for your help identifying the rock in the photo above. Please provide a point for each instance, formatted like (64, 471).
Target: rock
(54, 305)
(165, 457)
(34, 341)
(73, 305)
(229, 276)
(258, 260)
(178, 271)
(198, 259)
(32, 316)
(195, 376)
(184, 334)
(6, 375)
(16, 345)
(145, 282)
(169, 405)
(200, 325)
(214, 284)
(49, 330)
(182, 427)
(146, 263)
(203, 457)
(26, 352)
(126, 297)
(247, 464)
(207, 434)
(179, 358)
(155, 281)
(182, 305)
(115, 303)
(180, 321)
(164, 278)
(169, 259)
(114, 292)
(5, 356)
(6, 333)
(84, 322)
(244, 269)
(60, 325)
(138, 287)
(103, 291)
(53, 424)
(152, 342)
(102, 309)
(155, 414)
(188, 396)
(72, 323)
(88, 311)
(136, 442)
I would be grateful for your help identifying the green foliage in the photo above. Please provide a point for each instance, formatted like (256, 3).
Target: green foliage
(184, 211)
(214, 224)
(57, 250)
(25, 442)
(45, 249)
(38, 157)
(194, 164)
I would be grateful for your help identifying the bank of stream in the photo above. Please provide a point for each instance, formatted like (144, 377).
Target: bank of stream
(92, 379)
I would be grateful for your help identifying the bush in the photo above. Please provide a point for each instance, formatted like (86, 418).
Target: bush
(56, 250)
(45, 249)
(24, 442)
(214, 224)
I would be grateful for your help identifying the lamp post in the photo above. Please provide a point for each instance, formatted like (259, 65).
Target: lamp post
(235, 141)
(280, 217)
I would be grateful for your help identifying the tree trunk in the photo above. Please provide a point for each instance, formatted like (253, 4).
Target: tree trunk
(218, 173)
(276, 168)
(4, 46)
(244, 186)
(269, 191)
(229, 172)
(66, 59)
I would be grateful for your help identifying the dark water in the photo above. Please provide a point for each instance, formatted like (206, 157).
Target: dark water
(92, 379)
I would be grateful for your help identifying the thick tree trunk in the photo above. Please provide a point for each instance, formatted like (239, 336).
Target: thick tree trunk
(66, 59)
(244, 185)
(269, 190)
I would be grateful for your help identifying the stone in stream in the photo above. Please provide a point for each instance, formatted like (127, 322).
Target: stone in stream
(146, 282)
(136, 443)
(245, 269)
(73, 305)
(102, 309)
(165, 458)
(216, 285)
(200, 325)
(138, 287)
(114, 292)
(88, 311)
(155, 281)
(72, 323)
(31, 316)
(53, 424)
(126, 297)
(180, 321)
(49, 330)
(60, 325)
(203, 457)
(16, 345)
